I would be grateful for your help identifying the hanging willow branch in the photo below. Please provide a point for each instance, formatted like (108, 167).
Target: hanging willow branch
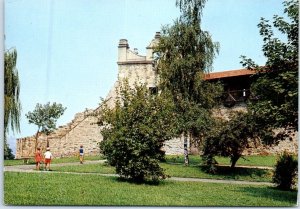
(12, 104)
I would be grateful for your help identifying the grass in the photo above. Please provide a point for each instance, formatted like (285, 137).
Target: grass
(243, 174)
(46, 188)
(86, 168)
(54, 161)
(179, 170)
(194, 160)
(253, 160)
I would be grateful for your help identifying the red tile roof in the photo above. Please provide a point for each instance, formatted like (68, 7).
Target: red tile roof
(229, 73)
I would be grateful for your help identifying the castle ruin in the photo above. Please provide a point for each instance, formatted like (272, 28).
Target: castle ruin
(84, 130)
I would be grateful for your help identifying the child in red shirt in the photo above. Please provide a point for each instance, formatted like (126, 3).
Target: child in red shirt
(38, 158)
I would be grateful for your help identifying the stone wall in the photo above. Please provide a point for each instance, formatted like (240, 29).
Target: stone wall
(82, 130)
(290, 144)
(65, 141)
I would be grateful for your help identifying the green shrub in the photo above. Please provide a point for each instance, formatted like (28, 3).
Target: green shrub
(134, 133)
(285, 172)
(209, 164)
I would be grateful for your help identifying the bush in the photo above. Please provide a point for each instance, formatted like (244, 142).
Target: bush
(8, 155)
(229, 138)
(134, 132)
(285, 172)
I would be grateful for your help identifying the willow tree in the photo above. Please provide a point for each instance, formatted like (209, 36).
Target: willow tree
(184, 54)
(12, 104)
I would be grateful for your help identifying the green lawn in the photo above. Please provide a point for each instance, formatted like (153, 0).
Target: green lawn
(179, 170)
(253, 160)
(86, 168)
(46, 188)
(244, 174)
(54, 161)
(194, 160)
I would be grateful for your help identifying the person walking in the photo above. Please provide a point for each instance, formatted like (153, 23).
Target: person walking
(38, 158)
(48, 158)
(81, 153)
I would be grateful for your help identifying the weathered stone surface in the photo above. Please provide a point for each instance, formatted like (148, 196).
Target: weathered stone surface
(65, 141)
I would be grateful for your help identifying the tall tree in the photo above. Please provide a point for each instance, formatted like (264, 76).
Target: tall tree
(45, 117)
(184, 53)
(12, 104)
(276, 83)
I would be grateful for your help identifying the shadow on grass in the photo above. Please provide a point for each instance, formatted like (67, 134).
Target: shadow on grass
(272, 193)
(226, 172)
(139, 182)
(177, 160)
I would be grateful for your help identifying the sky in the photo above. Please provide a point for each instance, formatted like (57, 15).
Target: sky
(67, 49)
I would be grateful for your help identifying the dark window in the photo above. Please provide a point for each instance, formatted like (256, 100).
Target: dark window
(153, 90)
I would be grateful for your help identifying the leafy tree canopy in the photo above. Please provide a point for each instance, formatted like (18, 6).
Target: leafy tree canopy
(276, 88)
(276, 83)
(229, 138)
(45, 116)
(12, 106)
(184, 53)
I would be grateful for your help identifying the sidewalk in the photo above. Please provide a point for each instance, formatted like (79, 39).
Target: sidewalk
(31, 169)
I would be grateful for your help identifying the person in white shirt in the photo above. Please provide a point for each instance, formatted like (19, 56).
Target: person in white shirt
(48, 158)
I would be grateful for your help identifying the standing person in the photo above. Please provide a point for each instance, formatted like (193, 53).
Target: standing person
(38, 158)
(48, 158)
(81, 152)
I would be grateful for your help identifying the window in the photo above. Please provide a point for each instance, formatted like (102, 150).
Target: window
(153, 90)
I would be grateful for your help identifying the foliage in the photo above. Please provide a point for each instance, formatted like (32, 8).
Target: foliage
(8, 154)
(285, 172)
(45, 117)
(12, 104)
(276, 83)
(12, 107)
(134, 132)
(229, 138)
(184, 53)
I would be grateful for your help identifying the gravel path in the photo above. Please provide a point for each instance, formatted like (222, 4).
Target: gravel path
(31, 169)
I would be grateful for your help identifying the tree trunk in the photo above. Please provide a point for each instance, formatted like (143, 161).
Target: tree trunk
(186, 152)
(47, 141)
(233, 160)
(36, 139)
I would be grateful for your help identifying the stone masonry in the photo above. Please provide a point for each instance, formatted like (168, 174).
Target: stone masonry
(83, 130)
(65, 141)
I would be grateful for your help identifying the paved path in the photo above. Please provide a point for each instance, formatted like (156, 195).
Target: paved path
(31, 169)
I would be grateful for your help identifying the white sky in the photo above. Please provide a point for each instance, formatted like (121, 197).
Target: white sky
(67, 49)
